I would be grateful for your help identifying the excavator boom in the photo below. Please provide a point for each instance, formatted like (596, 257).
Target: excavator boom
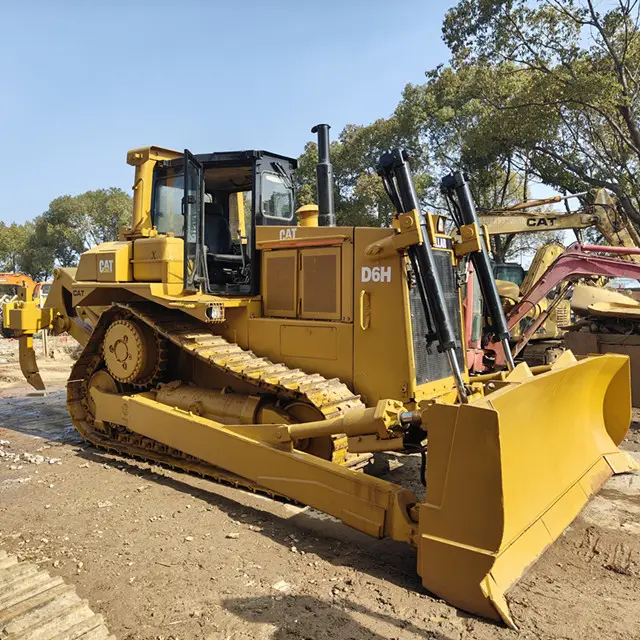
(601, 214)
(17, 280)
(577, 262)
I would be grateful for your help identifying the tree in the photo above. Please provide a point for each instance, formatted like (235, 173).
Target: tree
(13, 242)
(73, 224)
(106, 211)
(70, 226)
(359, 196)
(432, 121)
(560, 88)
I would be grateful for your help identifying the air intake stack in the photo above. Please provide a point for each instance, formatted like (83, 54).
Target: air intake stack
(324, 177)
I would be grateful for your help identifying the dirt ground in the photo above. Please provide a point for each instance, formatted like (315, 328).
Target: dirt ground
(163, 555)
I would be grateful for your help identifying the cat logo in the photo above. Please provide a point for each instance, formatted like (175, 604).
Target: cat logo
(105, 266)
(287, 234)
(541, 222)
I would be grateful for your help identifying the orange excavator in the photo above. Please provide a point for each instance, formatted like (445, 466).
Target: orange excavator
(17, 280)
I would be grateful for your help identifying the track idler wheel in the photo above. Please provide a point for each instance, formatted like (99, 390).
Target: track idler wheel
(102, 381)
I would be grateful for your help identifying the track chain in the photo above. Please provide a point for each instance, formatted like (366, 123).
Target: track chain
(329, 397)
(35, 605)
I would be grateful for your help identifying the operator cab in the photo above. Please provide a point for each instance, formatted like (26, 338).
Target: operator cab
(215, 205)
(509, 272)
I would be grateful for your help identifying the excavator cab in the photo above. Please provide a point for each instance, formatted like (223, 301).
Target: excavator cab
(509, 272)
(214, 202)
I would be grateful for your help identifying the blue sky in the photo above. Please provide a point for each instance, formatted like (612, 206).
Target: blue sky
(83, 82)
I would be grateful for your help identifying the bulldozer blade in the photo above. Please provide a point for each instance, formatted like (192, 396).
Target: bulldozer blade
(508, 473)
(28, 363)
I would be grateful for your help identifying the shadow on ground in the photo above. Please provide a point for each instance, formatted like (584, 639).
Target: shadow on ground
(307, 617)
(38, 414)
(335, 542)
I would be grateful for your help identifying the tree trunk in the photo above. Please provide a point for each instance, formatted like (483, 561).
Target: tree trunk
(629, 208)
(498, 249)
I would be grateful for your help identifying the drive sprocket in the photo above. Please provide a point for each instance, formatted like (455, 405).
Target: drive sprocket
(133, 353)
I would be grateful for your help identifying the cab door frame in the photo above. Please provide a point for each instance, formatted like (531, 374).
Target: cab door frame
(195, 260)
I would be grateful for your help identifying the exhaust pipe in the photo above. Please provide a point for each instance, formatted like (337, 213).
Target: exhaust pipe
(324, 178)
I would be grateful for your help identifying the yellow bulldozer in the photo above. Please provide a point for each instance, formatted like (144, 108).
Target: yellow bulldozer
(222, 337)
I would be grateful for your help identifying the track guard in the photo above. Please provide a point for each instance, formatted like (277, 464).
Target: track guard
(508, 473)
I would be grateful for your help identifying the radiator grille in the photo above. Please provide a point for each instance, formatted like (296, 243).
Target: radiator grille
(435, 365)
(320, 283)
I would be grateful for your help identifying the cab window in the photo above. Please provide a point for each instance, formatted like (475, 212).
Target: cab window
(167, 205)
(509, 272)
(277, 199)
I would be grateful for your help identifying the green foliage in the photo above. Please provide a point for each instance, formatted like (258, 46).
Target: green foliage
(536, 91)
(436, 123)
(561, 90)
(70, 226)
(13, 242)
(359, 195)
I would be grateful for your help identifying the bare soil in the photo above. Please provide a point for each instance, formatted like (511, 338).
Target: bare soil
(163, 555)
(55, 369)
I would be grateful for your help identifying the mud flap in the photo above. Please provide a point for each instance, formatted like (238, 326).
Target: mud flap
(28, 362)
(508, 473)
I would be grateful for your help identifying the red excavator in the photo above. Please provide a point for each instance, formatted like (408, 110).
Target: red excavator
(576, 263)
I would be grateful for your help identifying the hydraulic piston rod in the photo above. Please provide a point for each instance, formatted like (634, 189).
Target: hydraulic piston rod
(394, 170)
(456, 183)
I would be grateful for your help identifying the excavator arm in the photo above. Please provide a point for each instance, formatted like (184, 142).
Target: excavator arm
(534, 222)
(17, 280)
(577, 262)
(602, 214)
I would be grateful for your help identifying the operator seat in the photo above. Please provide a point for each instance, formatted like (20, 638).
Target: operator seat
(217, 234)
(221, 262)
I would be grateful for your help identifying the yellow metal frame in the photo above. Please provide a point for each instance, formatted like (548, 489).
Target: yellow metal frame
(144, 160)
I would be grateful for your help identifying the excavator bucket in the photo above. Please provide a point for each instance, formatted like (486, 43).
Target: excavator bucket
(508, 473)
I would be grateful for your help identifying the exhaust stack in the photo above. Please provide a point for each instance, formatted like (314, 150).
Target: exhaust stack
(324, 177)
